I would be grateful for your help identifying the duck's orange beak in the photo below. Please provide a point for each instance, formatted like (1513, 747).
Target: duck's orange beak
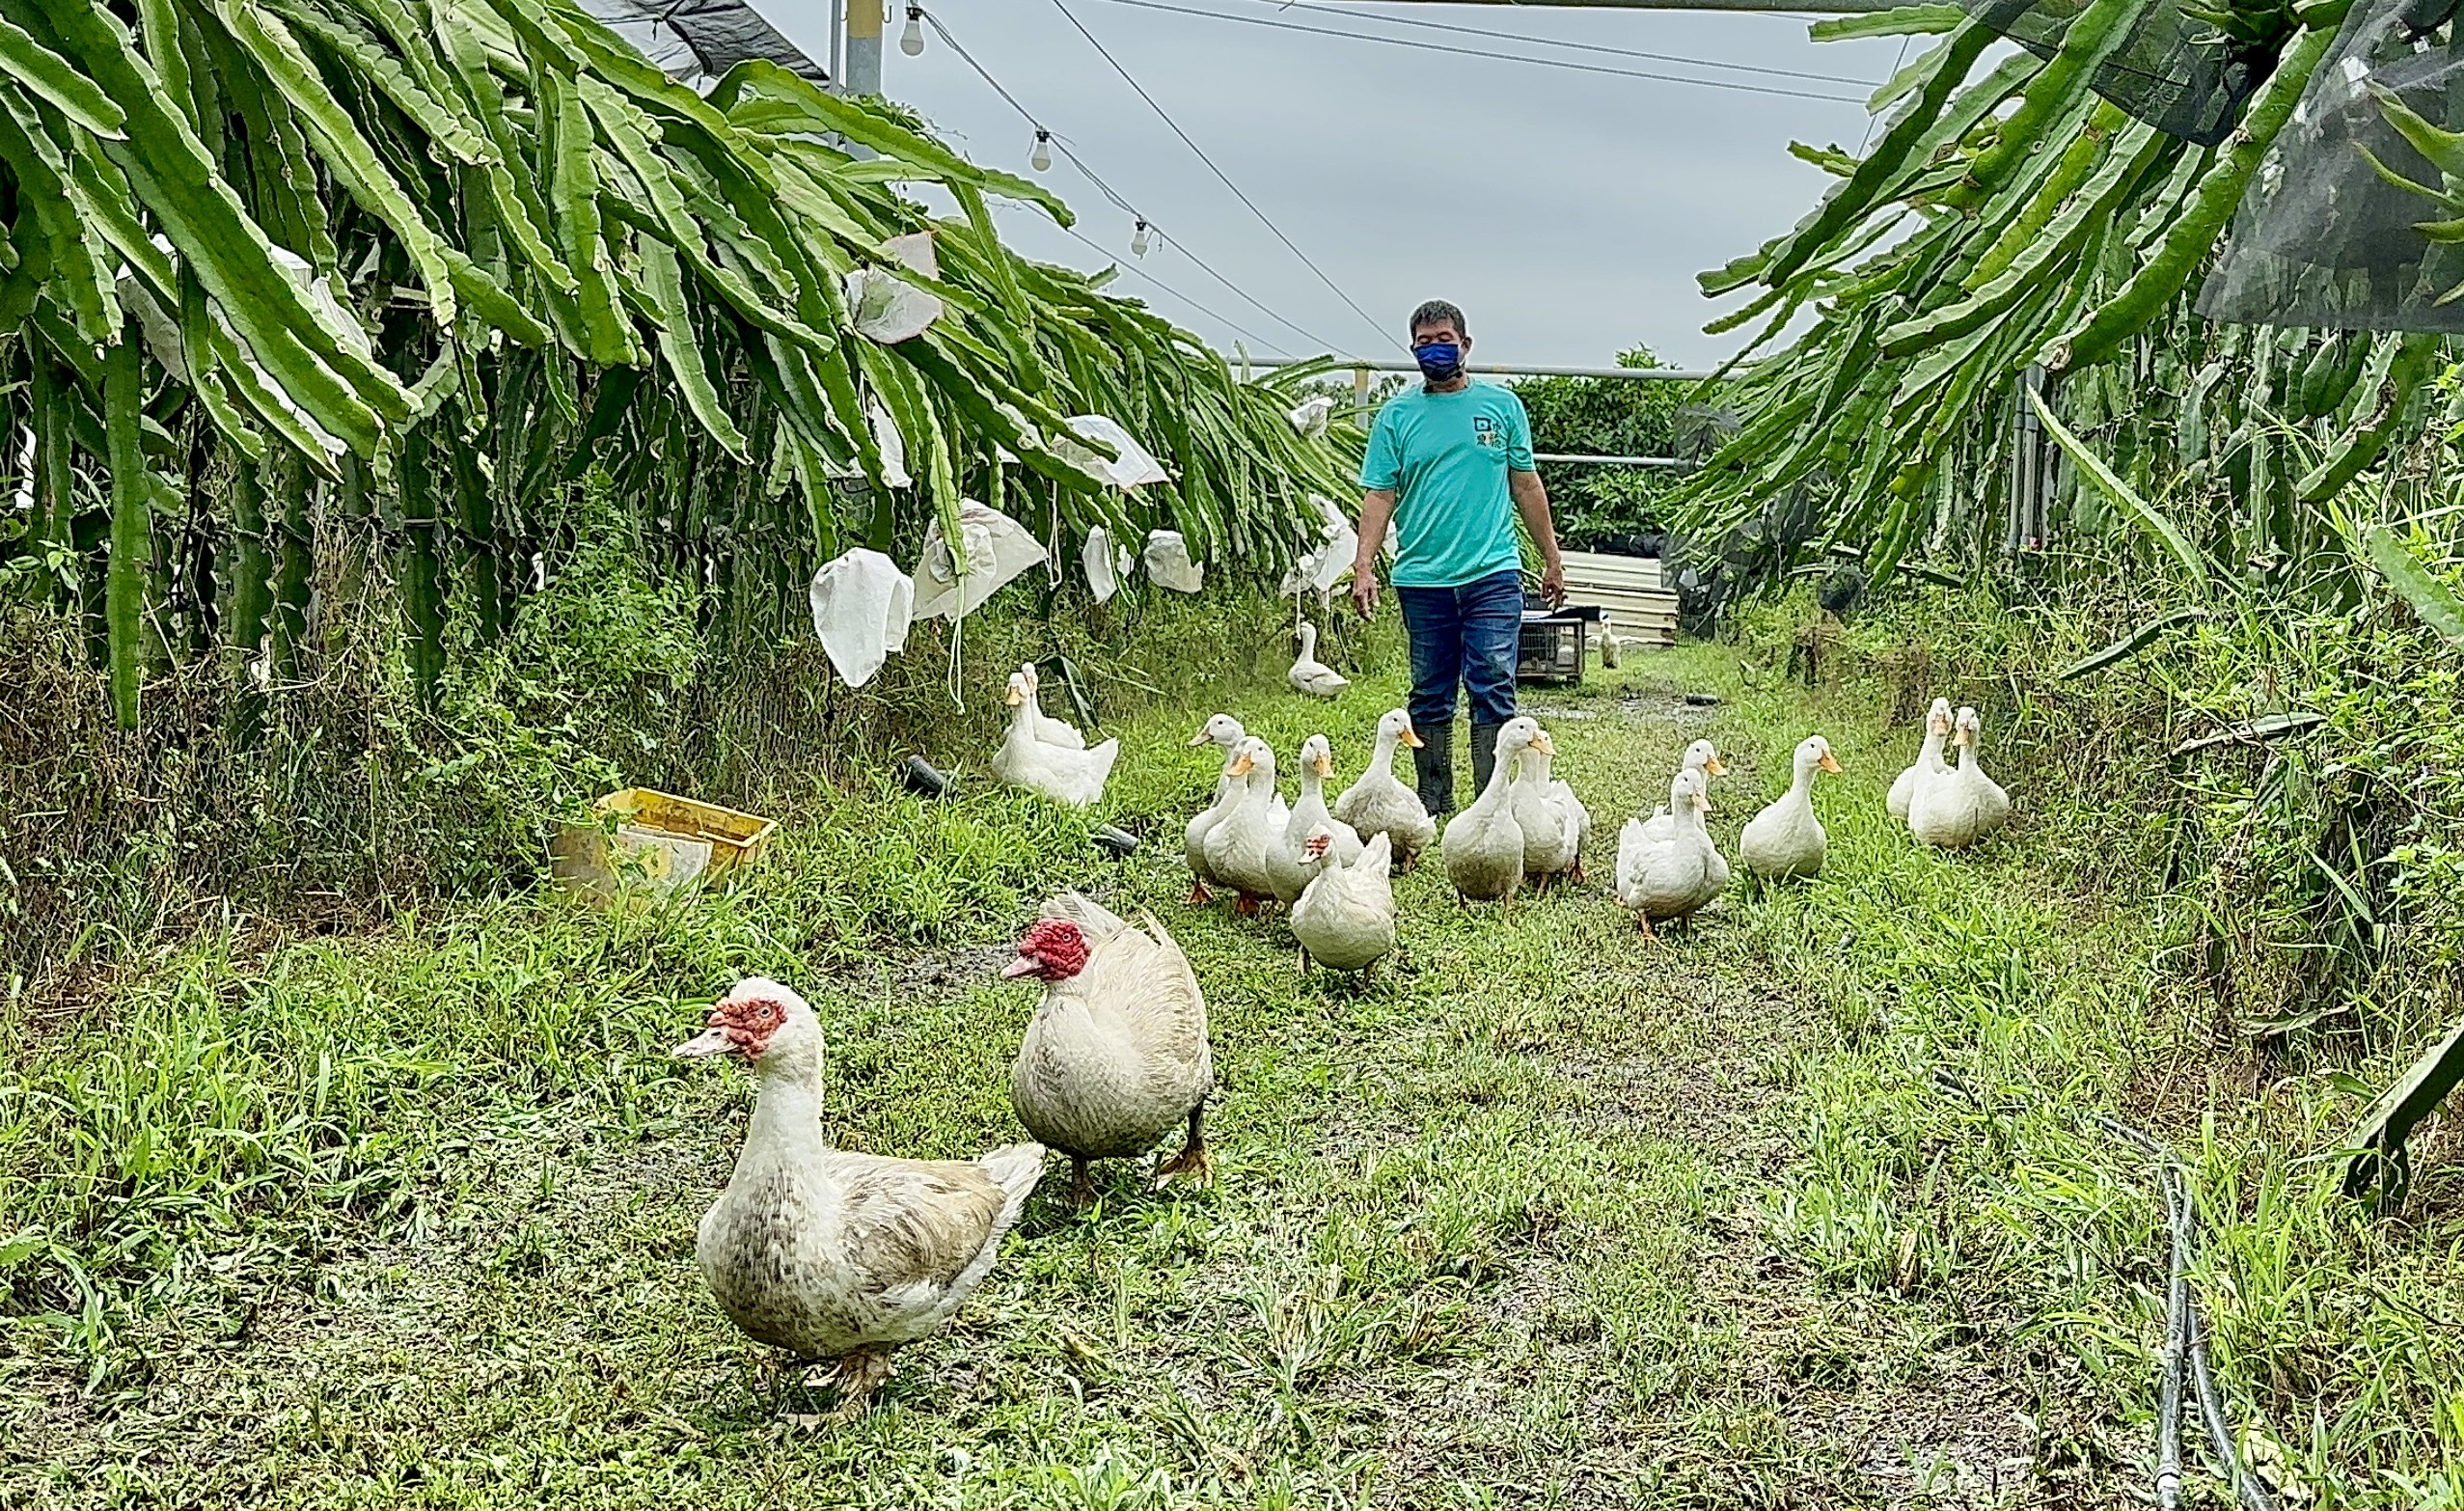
(1714, 767)
(1828, 763)
(1542, 743)
(1410, 739)
(1199, 739)
(1325, 766)
(1241, 766)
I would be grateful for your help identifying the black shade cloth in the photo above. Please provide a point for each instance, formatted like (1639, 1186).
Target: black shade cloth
(1696, 430)
(2321, 238)
(1707, 575)
(703, 39)
(2173, 71)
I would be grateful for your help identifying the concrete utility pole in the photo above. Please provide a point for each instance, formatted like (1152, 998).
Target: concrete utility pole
(864, 47)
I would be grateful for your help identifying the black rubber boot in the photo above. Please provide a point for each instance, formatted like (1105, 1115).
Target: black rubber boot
(1483, 755)
(1433, 762)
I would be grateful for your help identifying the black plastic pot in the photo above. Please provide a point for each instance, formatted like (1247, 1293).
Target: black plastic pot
(920, 776)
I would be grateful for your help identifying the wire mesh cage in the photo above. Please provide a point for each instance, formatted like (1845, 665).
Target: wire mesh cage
(2347, 224)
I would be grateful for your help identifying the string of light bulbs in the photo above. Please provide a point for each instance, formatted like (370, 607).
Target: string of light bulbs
(1145, 233)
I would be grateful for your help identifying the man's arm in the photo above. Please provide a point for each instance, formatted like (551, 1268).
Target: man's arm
(1377, 507)
(1531, 500)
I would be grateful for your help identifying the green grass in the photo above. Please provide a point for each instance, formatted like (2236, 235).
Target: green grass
(1541, 1216)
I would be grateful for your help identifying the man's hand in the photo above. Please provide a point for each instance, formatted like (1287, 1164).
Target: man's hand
(1377, 511)
(1531, 500)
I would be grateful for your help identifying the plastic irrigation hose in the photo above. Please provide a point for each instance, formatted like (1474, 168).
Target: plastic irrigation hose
(2185, 1324)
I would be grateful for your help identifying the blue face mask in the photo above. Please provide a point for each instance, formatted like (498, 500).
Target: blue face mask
(1441, 361)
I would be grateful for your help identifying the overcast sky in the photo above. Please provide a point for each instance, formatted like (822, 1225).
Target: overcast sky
(1566, 213)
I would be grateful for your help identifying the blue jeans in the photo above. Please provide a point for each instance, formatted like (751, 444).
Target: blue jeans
(1471, 635)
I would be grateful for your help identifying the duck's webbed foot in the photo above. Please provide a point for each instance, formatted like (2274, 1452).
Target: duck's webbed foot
(859, 1377)
(1190, 1165)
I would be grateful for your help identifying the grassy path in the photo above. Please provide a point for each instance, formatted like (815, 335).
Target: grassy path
(1542, 1218)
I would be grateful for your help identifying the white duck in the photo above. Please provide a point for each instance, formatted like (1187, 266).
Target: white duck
(1962, 806)
(1674, 878)
(1577, 816)
(830, 1254)
(1048, 729)
(1309, 816)
(1551, 823)
(1116, 1054)
(1075, 777)
(1228, 795)
(1483, 844)
(1346, 916)
(1381, 804)
(1604, 637)
(1702, 757)
(1929, 761)
(1242, 845)
(1225, 730)
(1785, 839)
(1311, 675)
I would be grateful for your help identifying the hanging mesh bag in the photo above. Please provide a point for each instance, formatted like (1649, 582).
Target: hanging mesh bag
(2324, 237)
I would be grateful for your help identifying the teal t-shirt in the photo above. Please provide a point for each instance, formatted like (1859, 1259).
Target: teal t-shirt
(1446, 455)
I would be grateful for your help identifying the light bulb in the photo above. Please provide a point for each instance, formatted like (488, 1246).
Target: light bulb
(910, 41)
(1041, 159)
(1139, 242)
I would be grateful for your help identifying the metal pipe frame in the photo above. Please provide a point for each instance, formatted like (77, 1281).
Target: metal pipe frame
(1612, 461)
(1496, 369)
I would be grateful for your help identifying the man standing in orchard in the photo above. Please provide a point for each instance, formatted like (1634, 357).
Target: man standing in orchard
(1450, 464)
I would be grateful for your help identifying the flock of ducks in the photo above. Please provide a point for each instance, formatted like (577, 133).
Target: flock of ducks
(1049, 757)
(1950, 808)
(835, 1255)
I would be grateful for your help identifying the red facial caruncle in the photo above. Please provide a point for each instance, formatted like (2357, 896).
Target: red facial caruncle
(1054, 950)
(742, 1022)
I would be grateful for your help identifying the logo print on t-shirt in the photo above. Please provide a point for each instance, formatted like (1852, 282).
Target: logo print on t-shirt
(1484, 431)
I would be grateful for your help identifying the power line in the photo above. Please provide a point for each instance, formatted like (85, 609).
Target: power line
(1867, 140)
(1581, 46)
(1264, 219)
(1476, 53)
(1125, 207)
(1214, 314)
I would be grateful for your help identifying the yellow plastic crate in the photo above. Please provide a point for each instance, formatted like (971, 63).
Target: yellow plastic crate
(662, 843)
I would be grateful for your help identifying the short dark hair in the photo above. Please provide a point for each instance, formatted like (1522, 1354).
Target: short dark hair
(1436, 309)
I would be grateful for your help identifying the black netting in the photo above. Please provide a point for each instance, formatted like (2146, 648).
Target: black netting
(2176, 73)
(1707, 575)
(2322, 237)
(704, 38)
(1696, 430)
